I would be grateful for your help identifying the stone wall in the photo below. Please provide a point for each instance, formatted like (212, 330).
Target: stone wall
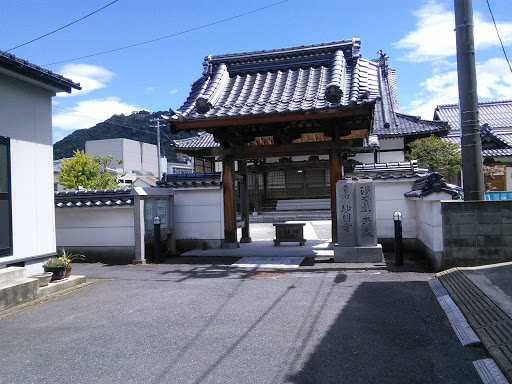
(476, 233)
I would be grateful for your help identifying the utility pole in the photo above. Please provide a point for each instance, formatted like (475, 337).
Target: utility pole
(471, 145)
(158, 143)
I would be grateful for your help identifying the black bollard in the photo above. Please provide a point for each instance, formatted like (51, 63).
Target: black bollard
(399, 247)
(156, 245)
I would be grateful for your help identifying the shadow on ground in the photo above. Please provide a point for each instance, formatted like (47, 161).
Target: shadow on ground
(371, 341)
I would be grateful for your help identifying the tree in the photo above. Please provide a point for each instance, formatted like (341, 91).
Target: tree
(86, 171)
(437, 155)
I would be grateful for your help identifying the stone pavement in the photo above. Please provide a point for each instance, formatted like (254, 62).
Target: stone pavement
(484, 296)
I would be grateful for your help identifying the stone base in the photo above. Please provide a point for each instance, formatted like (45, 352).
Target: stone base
(230, 245)
(358, 254)
(246, 240)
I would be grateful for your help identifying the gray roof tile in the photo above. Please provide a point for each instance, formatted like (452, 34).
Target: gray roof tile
(318, 76)
(22, 67)
(498, 114)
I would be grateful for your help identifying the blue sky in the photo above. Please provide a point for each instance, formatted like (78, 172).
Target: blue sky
(417, 35)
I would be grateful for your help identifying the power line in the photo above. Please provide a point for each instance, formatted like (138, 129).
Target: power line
(169, 36)
(129, 126)
(61, 28)
(499, 37)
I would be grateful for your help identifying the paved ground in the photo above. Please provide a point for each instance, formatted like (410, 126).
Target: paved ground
(205, 323)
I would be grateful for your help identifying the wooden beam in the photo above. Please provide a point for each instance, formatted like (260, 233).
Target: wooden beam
(334, 157)
(228, 184)
(244, 201)
(294, 149)
(365, 110)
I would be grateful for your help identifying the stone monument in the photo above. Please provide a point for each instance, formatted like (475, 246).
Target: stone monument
(357, 224)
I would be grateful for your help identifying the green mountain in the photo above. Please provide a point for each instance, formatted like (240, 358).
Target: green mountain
(136, 126)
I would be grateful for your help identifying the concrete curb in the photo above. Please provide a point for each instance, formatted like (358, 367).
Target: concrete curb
(60, 289)
(489, 322)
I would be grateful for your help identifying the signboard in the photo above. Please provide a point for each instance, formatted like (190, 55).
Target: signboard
(161, 211)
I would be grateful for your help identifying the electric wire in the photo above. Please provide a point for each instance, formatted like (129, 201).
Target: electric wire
(61, 28)
(169, 36)
(499, 37)
(124, 125)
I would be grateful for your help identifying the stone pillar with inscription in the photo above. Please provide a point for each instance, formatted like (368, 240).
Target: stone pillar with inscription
(357, 225)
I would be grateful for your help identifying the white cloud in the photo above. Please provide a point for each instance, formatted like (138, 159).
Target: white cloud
(88, 113)
(149, 90)
(173, 91)
(434, 36)
(494, 82)
(90, 77)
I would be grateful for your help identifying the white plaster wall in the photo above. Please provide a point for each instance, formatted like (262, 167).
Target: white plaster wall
(365, 158)
(198, 214)
(107, 147)
(389, 197)
(95, 227)
(390, 157)
(387, 144)
(26, 119)
(429, 222)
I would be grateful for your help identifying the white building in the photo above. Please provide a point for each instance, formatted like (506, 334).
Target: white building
(27, 214)
(134, 155)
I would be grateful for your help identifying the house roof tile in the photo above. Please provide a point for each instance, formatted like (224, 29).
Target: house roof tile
(22, 67)
(497, 114)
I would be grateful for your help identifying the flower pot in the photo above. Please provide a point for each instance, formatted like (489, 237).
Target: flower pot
(68, 271)
(43, 278)
(58, 272)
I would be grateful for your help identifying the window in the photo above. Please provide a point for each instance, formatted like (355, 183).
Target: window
(5, 198)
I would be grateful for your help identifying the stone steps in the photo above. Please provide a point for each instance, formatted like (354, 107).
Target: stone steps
(16, 288)
(277, 217)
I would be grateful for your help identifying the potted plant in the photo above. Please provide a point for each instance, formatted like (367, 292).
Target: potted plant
(68, 257)
(56, 265)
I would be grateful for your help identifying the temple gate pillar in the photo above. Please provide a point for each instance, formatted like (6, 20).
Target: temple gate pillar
(228, 189)
(335, 160)
(244, 201)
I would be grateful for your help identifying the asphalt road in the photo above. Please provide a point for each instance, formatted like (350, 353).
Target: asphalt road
(202, 323)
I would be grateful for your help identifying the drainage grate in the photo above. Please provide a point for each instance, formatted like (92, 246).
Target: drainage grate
(490, 323)
(264, 275)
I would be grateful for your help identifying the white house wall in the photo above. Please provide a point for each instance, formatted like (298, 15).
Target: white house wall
(26, 120)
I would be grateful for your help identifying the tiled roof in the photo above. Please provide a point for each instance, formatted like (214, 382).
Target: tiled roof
(190, 180)
(498, 114)
(282, 80)
(22, 67)
(433, 182)
(392, 170)
(319, 76)
(495, 143)
(94, 198)
(202, 140)
(388, 121)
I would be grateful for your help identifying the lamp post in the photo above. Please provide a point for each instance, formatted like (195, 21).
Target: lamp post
(399, 249)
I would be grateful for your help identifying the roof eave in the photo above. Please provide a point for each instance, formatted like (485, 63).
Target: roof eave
(37, 74)
(312, 114)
